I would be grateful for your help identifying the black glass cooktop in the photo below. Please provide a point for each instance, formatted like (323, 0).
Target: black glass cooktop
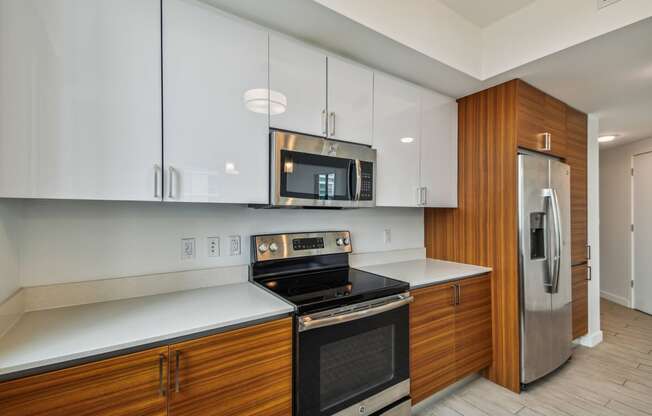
(321, 290)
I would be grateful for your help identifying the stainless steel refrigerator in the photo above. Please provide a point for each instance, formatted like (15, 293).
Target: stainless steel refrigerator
(544, 265)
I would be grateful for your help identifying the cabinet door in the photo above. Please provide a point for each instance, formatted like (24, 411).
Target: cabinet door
(531, 117)
(555, 124)
(473, 335)
(81, 99)
(396, 139)
(130, 385)
(438, 149)
(576, 154)
(244, 372)
(216, 135)
(350, 101)
(298, 74)
(432, 340)
(580, 300)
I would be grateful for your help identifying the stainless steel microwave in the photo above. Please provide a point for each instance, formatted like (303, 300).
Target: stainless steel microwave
(310, 171)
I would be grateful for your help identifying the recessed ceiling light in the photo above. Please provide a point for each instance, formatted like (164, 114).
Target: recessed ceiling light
(264, 101)
(605, 139)
(407, 139)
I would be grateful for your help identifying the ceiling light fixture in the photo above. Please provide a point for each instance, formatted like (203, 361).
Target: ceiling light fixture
(262, 100)
(607, 138)
(407, 140)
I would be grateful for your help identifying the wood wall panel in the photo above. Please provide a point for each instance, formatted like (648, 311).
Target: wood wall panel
(580, 300)
(244, 372)
(483, 230)
(576, 155)
(129, 385)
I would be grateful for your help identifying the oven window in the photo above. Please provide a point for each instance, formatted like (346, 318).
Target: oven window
(355, 365)
(305, 175)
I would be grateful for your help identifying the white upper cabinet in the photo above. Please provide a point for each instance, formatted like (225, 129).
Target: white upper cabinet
(80, 99)
(396, 139)
(297, 80)
(350, 102)
(438, 150)
(215, 106)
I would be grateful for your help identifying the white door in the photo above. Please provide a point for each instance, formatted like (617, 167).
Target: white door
(439, 149)
(642, 212)
(80, 99)
(297, 80)
(396, 139)
(216, 135)
(350, 101)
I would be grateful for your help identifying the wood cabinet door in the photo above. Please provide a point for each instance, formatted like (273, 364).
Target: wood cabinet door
(576, 154)
(580, 300)
(243, 372)
(432, 340)
(130, 385)
(473, 335)
(538, 115)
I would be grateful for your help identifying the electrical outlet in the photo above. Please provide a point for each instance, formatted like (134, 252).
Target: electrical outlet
(188, 248)
(213, 244)
(387, 236)
(235, 248)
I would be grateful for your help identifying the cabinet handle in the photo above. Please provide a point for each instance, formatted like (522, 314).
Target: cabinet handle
(170, 182)
(331, 124)
(424, 198)
(589, 275)
(177, 354)
(548, 142)
(161, 388)
(459, 294)
(323, 122)
(588, 251)
(157, 170)
(454, 301)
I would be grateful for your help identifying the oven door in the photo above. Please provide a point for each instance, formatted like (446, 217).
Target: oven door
(355, 362)
(313, 171)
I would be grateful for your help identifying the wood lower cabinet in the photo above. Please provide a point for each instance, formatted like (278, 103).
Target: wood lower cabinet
(243, 372)
(580, 300)
(130, 385)
(450, 334)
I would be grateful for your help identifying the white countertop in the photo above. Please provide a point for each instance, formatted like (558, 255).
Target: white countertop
(54, 336)
(426, 272)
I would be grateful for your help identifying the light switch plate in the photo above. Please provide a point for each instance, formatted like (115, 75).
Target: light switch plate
(188, 246)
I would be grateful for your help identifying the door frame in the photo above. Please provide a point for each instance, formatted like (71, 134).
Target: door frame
(632, 288)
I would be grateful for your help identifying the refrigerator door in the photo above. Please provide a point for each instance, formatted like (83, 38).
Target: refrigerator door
(535, 264)
(561, 316)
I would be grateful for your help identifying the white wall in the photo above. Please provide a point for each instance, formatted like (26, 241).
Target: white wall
(68, 241)
(615, 218)
(424, 25)
(9, 247)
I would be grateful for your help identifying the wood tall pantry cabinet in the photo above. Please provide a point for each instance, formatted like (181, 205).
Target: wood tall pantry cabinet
(244, 372)
(493, 124)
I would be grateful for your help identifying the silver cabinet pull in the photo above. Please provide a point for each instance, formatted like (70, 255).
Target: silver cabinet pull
(548, 142)
(454, 301)
(589, 275)
(170, 182)
(177, 355)
(588, 251)
(324, 131)
(157, 171)
(161, 388)
(331, 123)
(459, 294)
(424, 198)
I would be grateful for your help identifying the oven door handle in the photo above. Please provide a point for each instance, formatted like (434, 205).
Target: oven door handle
(307, 323)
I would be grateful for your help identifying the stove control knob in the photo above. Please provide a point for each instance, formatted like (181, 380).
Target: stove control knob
(347, 241)
(273, 247)
(339, 241)
(262, 247)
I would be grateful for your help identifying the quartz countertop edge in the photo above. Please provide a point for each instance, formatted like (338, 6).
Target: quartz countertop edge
(57, 336)
(426, 272)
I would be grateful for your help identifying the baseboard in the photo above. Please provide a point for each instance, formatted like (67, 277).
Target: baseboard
(616, 299)
(591, 340)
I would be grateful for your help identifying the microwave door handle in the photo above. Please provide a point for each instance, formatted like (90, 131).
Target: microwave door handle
(352, 179)
(358, 181)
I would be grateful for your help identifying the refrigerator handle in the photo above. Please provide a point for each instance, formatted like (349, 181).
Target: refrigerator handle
(554, 259)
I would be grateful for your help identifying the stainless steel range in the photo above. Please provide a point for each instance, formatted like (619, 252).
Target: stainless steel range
(351, 327)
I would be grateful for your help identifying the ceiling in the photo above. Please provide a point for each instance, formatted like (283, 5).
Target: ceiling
(484, 13)
(610, 76)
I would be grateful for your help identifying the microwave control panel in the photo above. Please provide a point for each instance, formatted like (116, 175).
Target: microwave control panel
(367, 181)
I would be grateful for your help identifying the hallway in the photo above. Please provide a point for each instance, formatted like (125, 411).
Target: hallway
(614, 378)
